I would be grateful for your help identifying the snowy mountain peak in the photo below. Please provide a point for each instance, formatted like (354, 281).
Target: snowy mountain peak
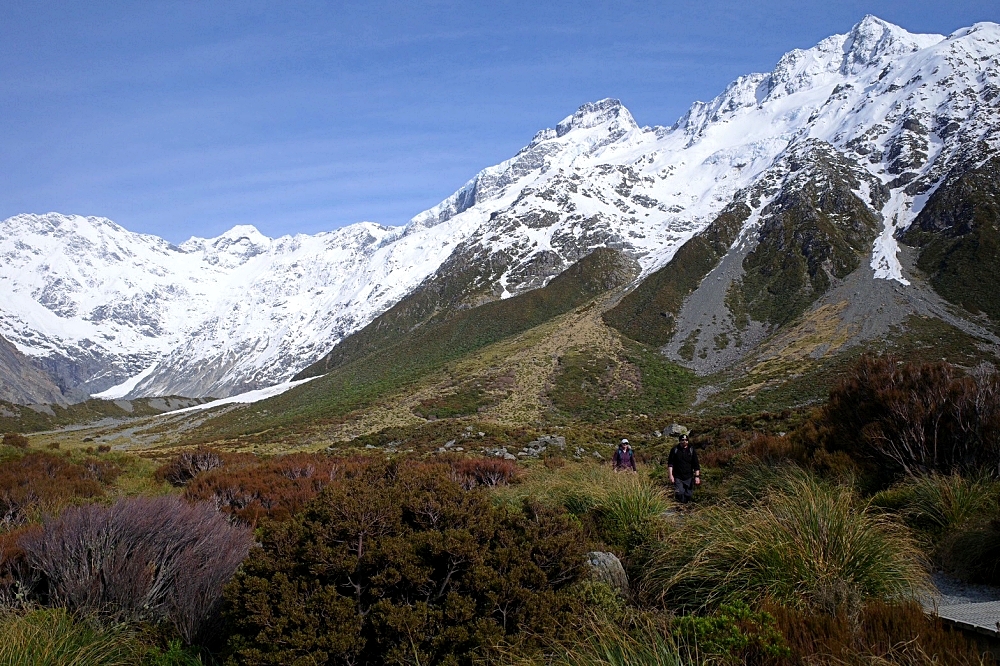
(873, 39)
(232, 248)
(608, 112)
(894, 112)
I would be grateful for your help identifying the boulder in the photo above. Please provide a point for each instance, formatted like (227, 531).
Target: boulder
(607, 568)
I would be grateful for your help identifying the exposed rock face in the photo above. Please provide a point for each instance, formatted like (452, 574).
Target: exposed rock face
(766, 198)
(607, 568)
(22, 382)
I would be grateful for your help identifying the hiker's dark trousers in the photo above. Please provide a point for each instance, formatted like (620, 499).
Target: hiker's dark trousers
(683, 489)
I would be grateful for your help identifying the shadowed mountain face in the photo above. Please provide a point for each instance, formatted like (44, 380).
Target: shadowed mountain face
(24, 383)
(744, 216)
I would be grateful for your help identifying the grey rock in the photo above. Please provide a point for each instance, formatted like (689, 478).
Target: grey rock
(607, 568)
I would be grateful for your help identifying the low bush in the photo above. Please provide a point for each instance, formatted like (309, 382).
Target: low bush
(622, 510)
(637, 640)
(42, 482)
(275, 488)
(735, 634)
(53, 636)
(490, 472)
(152, 559)
(16, 440)
(974, 554)
(941, 503)
(189, 464)
(399, 564)
(628, 515)
(881, 633)
(808, 545)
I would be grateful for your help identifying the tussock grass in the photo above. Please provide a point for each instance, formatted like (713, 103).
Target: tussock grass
(635, 641)
(53, 636)
(626, 507)
(807, 545)
(938, 503)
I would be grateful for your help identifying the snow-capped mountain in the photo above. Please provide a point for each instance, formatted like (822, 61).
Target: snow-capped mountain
(102, 308)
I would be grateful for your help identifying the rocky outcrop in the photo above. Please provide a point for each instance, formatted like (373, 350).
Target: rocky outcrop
(24, 383)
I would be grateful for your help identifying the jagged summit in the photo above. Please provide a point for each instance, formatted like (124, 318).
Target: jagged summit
(592, 114)
(891, 114)
(872, 40)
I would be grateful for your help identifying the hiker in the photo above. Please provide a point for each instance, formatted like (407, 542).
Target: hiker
(684, 470)
(624, 458)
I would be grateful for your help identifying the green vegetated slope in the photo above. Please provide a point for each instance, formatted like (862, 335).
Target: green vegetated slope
(647, 313)
(592, 386)
(814, 231)
(377, 370)
(21, 418)
(958, 233)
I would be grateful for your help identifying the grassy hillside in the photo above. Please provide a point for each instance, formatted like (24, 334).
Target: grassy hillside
(376, 370)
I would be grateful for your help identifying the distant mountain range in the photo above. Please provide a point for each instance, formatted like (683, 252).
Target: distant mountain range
(855, 186)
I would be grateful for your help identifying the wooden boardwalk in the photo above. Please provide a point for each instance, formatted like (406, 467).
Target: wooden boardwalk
(982, 617)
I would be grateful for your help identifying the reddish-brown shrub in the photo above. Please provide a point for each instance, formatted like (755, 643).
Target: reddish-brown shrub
(140, 559)
(907, 418)
(189, 464)
(275, 487)
(472, 472)
(883, 634)
(16, 578)
(15, 439)
(44, 482)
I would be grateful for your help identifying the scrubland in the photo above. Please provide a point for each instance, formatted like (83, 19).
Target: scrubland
(812, 540)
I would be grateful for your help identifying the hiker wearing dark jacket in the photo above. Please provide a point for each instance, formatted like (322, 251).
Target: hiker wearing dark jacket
(624, 458)
(683, 470)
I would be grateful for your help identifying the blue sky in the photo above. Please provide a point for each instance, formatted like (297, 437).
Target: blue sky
(186, 118)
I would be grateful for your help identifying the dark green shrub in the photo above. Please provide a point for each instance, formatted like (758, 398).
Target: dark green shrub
(400, 564)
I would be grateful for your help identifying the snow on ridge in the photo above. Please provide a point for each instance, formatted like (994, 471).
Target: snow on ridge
(258, 309)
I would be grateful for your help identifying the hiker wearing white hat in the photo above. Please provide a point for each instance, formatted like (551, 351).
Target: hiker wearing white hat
(624, 458)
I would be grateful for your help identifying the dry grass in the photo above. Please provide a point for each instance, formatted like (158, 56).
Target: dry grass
(55, 637)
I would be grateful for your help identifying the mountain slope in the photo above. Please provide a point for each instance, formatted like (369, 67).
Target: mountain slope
(21, 382)
(821, 162)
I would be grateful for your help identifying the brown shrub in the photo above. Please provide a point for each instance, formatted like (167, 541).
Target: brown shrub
(44, 482)
(909, 418)
(882, 633)
(140, 559)
(15, 439)
(472, 472)
(16, 578)
(276, 487)
(189, 464)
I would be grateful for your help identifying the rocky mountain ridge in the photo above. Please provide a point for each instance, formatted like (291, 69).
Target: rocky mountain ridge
(823, 160)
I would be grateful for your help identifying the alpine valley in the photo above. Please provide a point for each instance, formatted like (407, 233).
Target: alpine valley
(848, 200)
